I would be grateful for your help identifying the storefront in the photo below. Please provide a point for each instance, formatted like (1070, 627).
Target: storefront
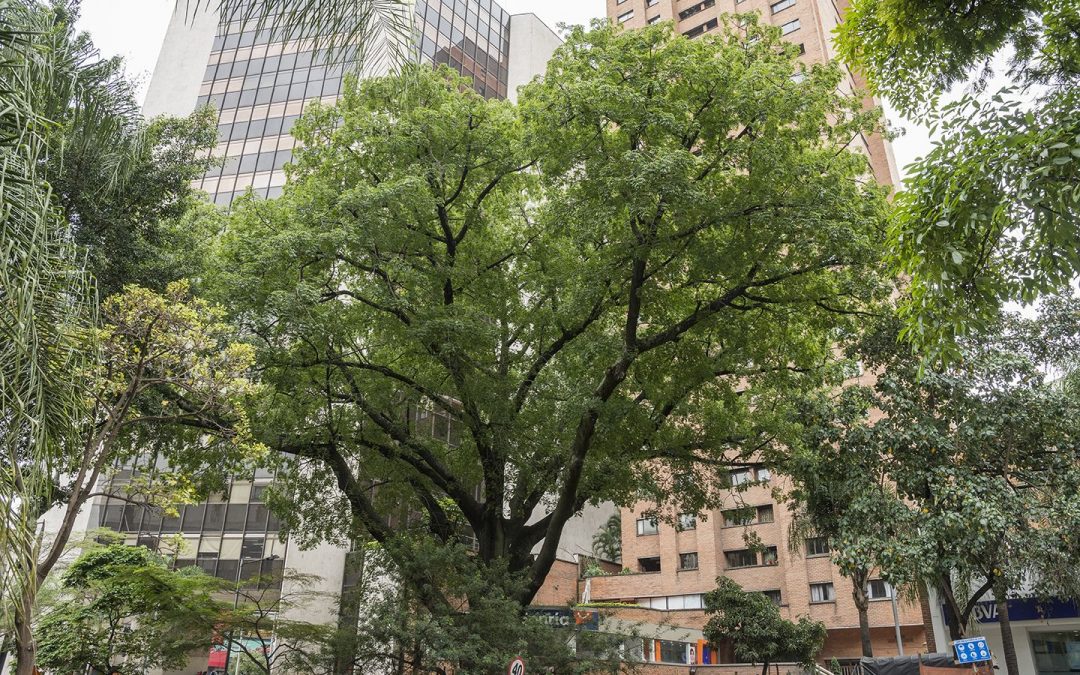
(1046, 634)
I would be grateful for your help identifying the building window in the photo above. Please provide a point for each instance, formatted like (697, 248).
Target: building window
(789, 27)
(775, 596)
(252, 548)
(625, 16)
(822, 592)
(646, 526)
(649, 564)
(744, 558)
(257, 493)
(765, 513)
(764, 475)
(817, 546)
(653, 21)
(769, 556)
(748, 515)
(687, 521)
(740, 477)
(688, 561)
(694, 9)
(673, 652)
(652, 3)
(698, 30)
(878, 589)
(782, 5)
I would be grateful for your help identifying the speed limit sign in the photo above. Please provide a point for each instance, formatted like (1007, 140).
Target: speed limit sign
(516, 667)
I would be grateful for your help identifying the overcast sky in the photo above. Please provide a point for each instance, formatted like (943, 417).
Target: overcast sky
(134, 29)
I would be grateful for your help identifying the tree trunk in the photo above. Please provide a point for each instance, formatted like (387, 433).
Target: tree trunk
(862, 603)
(1001, 594)
(24, 636)
(956, 628)
(765, 669)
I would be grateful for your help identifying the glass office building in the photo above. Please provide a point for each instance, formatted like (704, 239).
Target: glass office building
(260, 86)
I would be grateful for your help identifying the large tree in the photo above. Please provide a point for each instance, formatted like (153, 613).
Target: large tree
(970, 475)
(991, 213)
(493, 315)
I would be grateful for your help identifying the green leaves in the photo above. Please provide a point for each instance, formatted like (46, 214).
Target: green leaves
(624, 280)
(969, 472)
(750, 621)
(124, 611)
(990, 215)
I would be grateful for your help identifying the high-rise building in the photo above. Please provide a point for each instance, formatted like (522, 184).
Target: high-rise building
(807, 23)
(260, 86)
(668, 568)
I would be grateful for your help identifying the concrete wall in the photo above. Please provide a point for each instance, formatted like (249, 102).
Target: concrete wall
(531, 45)
(181, 63)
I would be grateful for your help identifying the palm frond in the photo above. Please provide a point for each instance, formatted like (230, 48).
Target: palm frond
(374, 34)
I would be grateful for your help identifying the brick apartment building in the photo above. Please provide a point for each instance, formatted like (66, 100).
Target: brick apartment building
(807, 23)
(668, 568)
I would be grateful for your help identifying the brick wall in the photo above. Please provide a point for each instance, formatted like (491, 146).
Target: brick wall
(560, 588)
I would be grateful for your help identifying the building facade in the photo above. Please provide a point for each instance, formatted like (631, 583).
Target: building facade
(669, 567)
(260, 86)
(807, 23)
(1045, 632)
(670, 563)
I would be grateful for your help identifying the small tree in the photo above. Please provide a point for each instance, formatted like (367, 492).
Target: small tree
(167, 378)
(125, 612)
(968, 480)
(751, 622)
(261, 634)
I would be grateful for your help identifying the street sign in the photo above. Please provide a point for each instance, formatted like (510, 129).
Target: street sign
(516, 667)
(972, 650)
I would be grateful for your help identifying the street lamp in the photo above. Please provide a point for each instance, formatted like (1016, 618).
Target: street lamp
(236, 603)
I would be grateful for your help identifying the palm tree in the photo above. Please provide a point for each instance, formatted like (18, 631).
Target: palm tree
(57, 98)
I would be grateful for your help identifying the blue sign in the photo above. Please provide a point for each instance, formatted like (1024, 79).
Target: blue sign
(1023, 609)
(972, 650)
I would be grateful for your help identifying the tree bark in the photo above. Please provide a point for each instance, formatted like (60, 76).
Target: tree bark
(24, 636)
(862, 603)
(1001, 595)
(956, 629)
(765, 669)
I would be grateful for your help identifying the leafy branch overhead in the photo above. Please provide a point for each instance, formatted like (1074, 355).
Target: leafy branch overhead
(990, 215)
(529, 308)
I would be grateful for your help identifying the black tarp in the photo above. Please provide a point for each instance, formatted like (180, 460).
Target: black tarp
(903, 665)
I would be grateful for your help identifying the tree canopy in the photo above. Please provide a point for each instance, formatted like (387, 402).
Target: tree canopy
(991, 213)
(967, 478)
(124, 612)
(494, 314)
(750, 621)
